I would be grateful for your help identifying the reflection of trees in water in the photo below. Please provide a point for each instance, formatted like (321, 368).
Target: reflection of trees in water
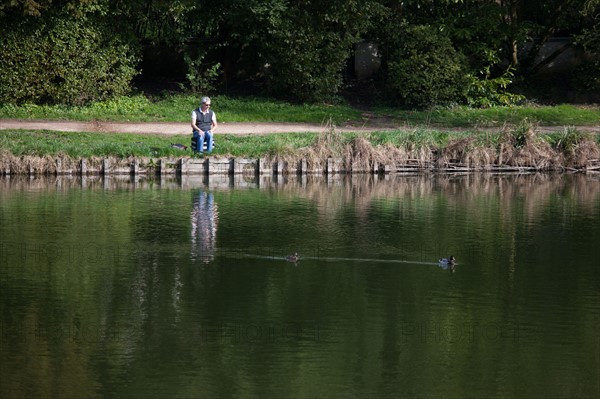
(535, 190)
(513, 208)
(204, 218)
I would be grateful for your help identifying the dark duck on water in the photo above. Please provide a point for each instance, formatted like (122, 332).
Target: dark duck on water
(451, 261)
(293, 258)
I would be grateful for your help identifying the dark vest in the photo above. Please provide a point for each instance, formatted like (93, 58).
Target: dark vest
(204, 121)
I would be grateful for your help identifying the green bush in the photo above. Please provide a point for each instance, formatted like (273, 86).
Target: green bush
(63, 61)
(201, 78)
(486, 90)
(423, 68)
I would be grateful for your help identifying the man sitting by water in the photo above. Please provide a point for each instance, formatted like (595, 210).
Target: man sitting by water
(204, 122)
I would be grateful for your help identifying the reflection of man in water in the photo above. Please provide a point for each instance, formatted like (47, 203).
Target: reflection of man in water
(448, 266)
(205, 218)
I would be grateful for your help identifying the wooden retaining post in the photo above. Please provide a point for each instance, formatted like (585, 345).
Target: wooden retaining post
(334, 166)
(193, 166)
(593, 165)
(281, 167)
(122, 169)
(220, 166)
(143, 168)
(59, 170)
(183, 166)
(386, 169)
(245, 172)
(266, 166)
(135, 167)
(315, 168)
(83, 167)
(92, 169)
(303, 165)
(105, 166)
(245, 166)
(68, 171)
(31, 169)
(167, 166)
(294, 167)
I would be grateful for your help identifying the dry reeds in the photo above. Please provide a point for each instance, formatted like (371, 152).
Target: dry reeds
(360, 156)
(519, 146)
(522, 147)
(578, 148)
(456, 152)
(586, 152)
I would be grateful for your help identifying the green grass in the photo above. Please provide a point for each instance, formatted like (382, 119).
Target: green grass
(565, 114)
(178, 107)
(86, 145)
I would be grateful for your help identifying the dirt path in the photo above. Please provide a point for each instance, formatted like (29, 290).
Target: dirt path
(172, 128)
(250, 128)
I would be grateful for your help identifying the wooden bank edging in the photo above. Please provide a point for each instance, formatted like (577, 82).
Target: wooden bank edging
(232, 166)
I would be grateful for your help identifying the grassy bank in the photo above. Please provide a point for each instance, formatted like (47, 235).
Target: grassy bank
(177, 108)
(514, 139)
(516, 145)
(86, 145)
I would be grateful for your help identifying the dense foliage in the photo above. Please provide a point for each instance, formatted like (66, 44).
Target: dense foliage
(461, 51)
(423, 67)
(70, 56)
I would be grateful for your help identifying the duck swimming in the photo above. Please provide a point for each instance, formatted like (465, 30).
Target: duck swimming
(293, 258)
(451, 261)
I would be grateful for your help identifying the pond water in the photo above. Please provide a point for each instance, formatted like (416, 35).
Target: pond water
(121, 288)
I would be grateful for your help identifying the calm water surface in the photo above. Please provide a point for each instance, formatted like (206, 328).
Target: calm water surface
(180, 288)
